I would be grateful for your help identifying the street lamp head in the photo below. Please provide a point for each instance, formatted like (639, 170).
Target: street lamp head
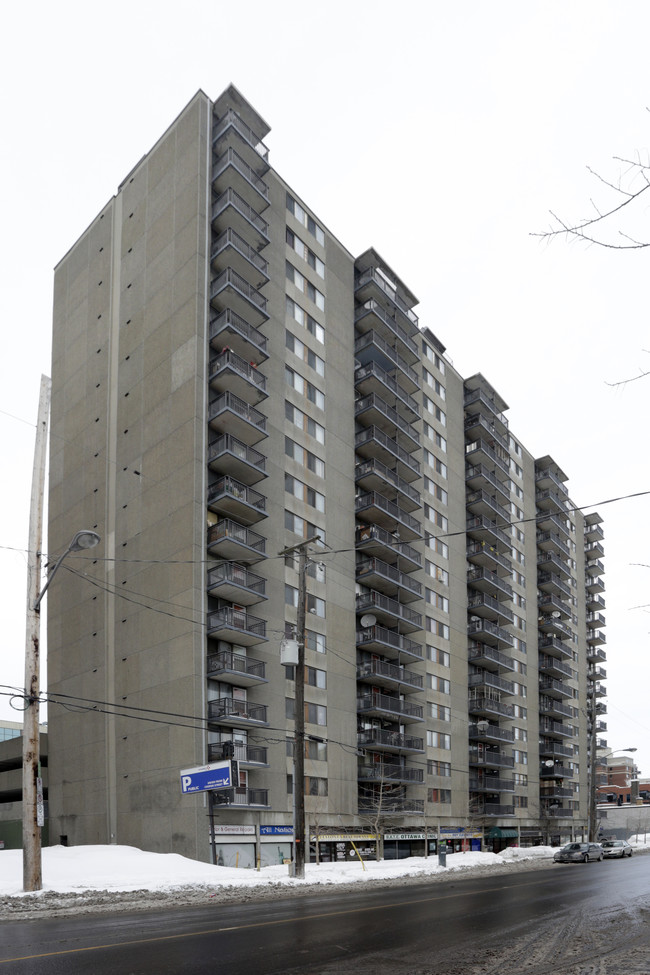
(84, 540)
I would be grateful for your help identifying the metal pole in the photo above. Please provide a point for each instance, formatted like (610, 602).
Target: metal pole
(32, 809)
(299, 741)
(593, 826)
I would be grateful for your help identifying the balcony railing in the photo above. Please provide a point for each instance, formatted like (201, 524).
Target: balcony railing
(390, 705)
(225, 444)
(228, 320)
(374, 402)
(389, 572)
(487, 705)
(374, 339)
(365, 535)
(492, 809)
(481, 445)
(368, 434)
(226, 660)
(246, 754)
(391, 672)
(374, 500)
(373, 307)
(229, 618)
(390, 639)
(476, 575)
(392, 740)
(484, 652)
(232, 158)
(487, 679)
(241, 796)
(227, 709)
(375, 466)
(228, 529)
(230, 360)
(380, 771)
(373, 369)
(480, 396)
(375, 600)
(230, 198)
(230, 238)
(486, 731)
(230, 278)
(237, 575)
(489, 758)
(490, 783)
(235, 489)
(477, 420)
(231, 119)
(371, 275)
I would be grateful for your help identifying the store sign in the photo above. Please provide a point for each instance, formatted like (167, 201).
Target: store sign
(276, 830)
(219, 829)
(343, 837)
(466, 831)
(406, 836)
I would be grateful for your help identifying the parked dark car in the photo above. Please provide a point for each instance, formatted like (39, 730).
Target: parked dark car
(616, 848)
(579, 853)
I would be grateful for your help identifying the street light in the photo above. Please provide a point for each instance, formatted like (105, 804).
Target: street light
(33, 817)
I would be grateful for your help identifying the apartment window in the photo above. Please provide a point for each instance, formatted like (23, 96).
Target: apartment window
(516, 468)
(304, 422)
(436, 572)
(433, 383)
(520, 667)
(315, 641)
(436, 517)
(306, 253)
(315, 751)
(519, 622)
(440, 442)
(305, 458)
(439, 795)
(521, 758)
(438, 656)
(303, 217)
(306, 389)
(314, 785)
(521, 734)
(435, 490)
(439, 466)
(514, 446)
(315, 605)
(304, 284)
(437, 628)
(520, 779)
(305, 353)
(435, 599)
(438, 546)
(436, 739)
(303, 492)
(436, 683)
(302, 527)
(520, 690)
(519, 712)
(439, 711)
(520, 802)
(305, 319)
(519, 600)
(434, 767)
(314, 713)
(433, 357)
(313, 676)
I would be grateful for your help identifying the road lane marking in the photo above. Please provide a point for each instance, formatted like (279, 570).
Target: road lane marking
(258, 924)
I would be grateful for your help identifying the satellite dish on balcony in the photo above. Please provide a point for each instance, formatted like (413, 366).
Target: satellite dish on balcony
(368, 620)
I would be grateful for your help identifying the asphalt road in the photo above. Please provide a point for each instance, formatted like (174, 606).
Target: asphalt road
(566, 920)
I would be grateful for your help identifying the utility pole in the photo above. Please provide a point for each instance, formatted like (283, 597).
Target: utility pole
(32, 807)
(593, 818)
(299, 717)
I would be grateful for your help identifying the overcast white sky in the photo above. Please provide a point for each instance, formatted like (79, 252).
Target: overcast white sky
(442, 134)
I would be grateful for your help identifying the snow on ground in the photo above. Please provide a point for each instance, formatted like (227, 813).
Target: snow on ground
(124, 868)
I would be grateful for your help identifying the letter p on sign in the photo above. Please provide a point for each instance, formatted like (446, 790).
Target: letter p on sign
(186, 781)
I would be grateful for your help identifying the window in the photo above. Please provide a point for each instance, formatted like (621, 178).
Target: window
(433, 357)
(436, 683)
(519, 712)
(439, 711)
(315, 641)
(435, 599)
(304, 284)
(304, 422)
(436, 572)
(303, 217)
(520, 779)
(315, 751)
(436, 739)
(305, 353)
(521, 758)
(520, 802)
(302, 527)
(438, 546)
(304, 318)
(433, 383)
(315, 605)
(439, 795)
(314, 786)
(303, 251)
(438, 656)
(297, 382)
(439, 466)
(304, 457)
(436, 627)
(314, 713)
(303, 492)
(434, 767)
(436, 517)
(435, 490)
(313, 676)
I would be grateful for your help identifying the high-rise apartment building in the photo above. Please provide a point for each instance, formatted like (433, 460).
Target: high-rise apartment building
(229, 381)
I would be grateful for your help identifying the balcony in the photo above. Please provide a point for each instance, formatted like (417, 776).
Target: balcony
(371, 347)
(388, 643)
(492, 809)
(377, 541)
(388, 579)
(373, 411)
(372, 475)
(480, 399)
(553, 707)
(231, 210)
(486, 679)
(595, 602)
(388, 707)
(485, 706)
(378, 740)
(392, 676)
(242, 798)
(486, 555)
(371, 316)
(553, 626)
(230, 290)
(594, 568)
(552, 647)
(371, 378)
(230, 169)
(486, 731)
(480, 478)
(553, 667)
(548, 747)
(556, 771)
(487, 531)
(229, 497)
(228, 330)
(479, 452)
(482, 503)
(490, 783)
(546, 478)
(551, 583)
(594, 550)
(372, 442)
(552, 564)
(236, 626)
(489, 608)
(489, 658)
(236, 714)
(488, 582)
(558, 812)
(594, 584)
(233, 668)
(550, 501)
(236, 583)
(596, 637)
(376, 508)
(594, 533)
(384, 772)
(547, 522)
(226, 455)
(548, 604)
(388, 611)
(402, 806)
(371, 284)
(248, 756)
(489, 757)
(596, 673)
(555, 728)
(228, 372)
(595, 620)
(230, 414)
(485, 632)
(550, 792)
(596, 654)
(231, 129)
(554, 688)
(231, 250)
(478, 426)
(551, 542)
(229, 540)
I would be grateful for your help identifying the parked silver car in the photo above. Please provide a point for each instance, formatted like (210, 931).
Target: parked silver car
(579, 853)
(616, 848)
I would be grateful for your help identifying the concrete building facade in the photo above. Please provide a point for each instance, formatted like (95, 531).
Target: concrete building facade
(228, 380)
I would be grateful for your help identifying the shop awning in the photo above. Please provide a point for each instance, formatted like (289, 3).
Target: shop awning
(496, 833)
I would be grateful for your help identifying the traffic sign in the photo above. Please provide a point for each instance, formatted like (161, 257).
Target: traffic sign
(205, 778)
